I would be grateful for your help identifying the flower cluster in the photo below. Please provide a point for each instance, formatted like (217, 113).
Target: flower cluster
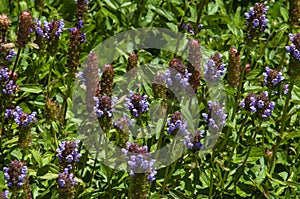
(138, 160)
(10, 88)
(215, 117)
(179, 75)
(10, 55)
(4, 74)
(272, 77)
(15, 174)
(194, 63)
(177, 125)
(24, 28)
(77, 37)
(68, 153)
(50, 30)
(194, 141)
(190, 28)
(22, 119)
(66, 180)
(256, 20)
(158, 85)
(234, 68)
(137, 104)
(123, 123)
(103, 107)
(107, 79)
(4, 194)
(122, 126)
(132, 62)
(82, 8)
(214, 68)
(4, 24)
(90, 76)
(294, 48)
(261, 105)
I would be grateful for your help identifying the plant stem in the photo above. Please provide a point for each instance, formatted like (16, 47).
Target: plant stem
(16, 62)
(234, 147)
(203, 2)
(211, 175)
(240, 87)
(283, 121)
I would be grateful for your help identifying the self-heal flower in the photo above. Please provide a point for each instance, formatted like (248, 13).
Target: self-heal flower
(194, 63)
(179, 76)
(294, 51)
(260, 105)
(272, 77)
(193, 141)
(10, 55)
(4, 74)
(24, 28)
(67, 153)
(177, 124)
(294, 48)
(22, 119)
(137, 104)
(4, 194)
(256, 20)
(104, 106)
(215, 117)
(138, 160)
(15, 175)
(214, 68)
(66, 183)
(10, 88)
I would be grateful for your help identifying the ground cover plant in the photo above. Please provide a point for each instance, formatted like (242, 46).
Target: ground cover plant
(214, 114)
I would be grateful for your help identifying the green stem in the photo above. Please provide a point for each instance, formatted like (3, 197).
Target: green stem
(211, 175)
(240, 87)
(64, 108)
(240, 133)
(16, 62)
(51, 61)
(165, 180)
(203, 2)
(283, 121)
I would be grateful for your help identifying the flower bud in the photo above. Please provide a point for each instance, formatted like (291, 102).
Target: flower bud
(194, 63)
(234, 68)
(294, 12)
(107, 79)
(24, 28)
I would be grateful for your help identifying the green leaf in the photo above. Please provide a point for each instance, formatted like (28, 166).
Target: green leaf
(31, 89)
(37, 156)
(49, 176)
(159, 127)
(284, 12)
(177, 194)
(17, 154)
(163, 12)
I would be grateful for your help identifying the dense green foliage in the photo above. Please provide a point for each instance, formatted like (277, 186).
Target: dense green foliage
(253, 157)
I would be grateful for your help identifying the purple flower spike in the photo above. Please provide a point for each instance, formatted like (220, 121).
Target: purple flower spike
(68, 153)
(138, 160)
(137, 104)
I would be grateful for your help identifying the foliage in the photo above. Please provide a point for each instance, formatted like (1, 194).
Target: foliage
(257, 152)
